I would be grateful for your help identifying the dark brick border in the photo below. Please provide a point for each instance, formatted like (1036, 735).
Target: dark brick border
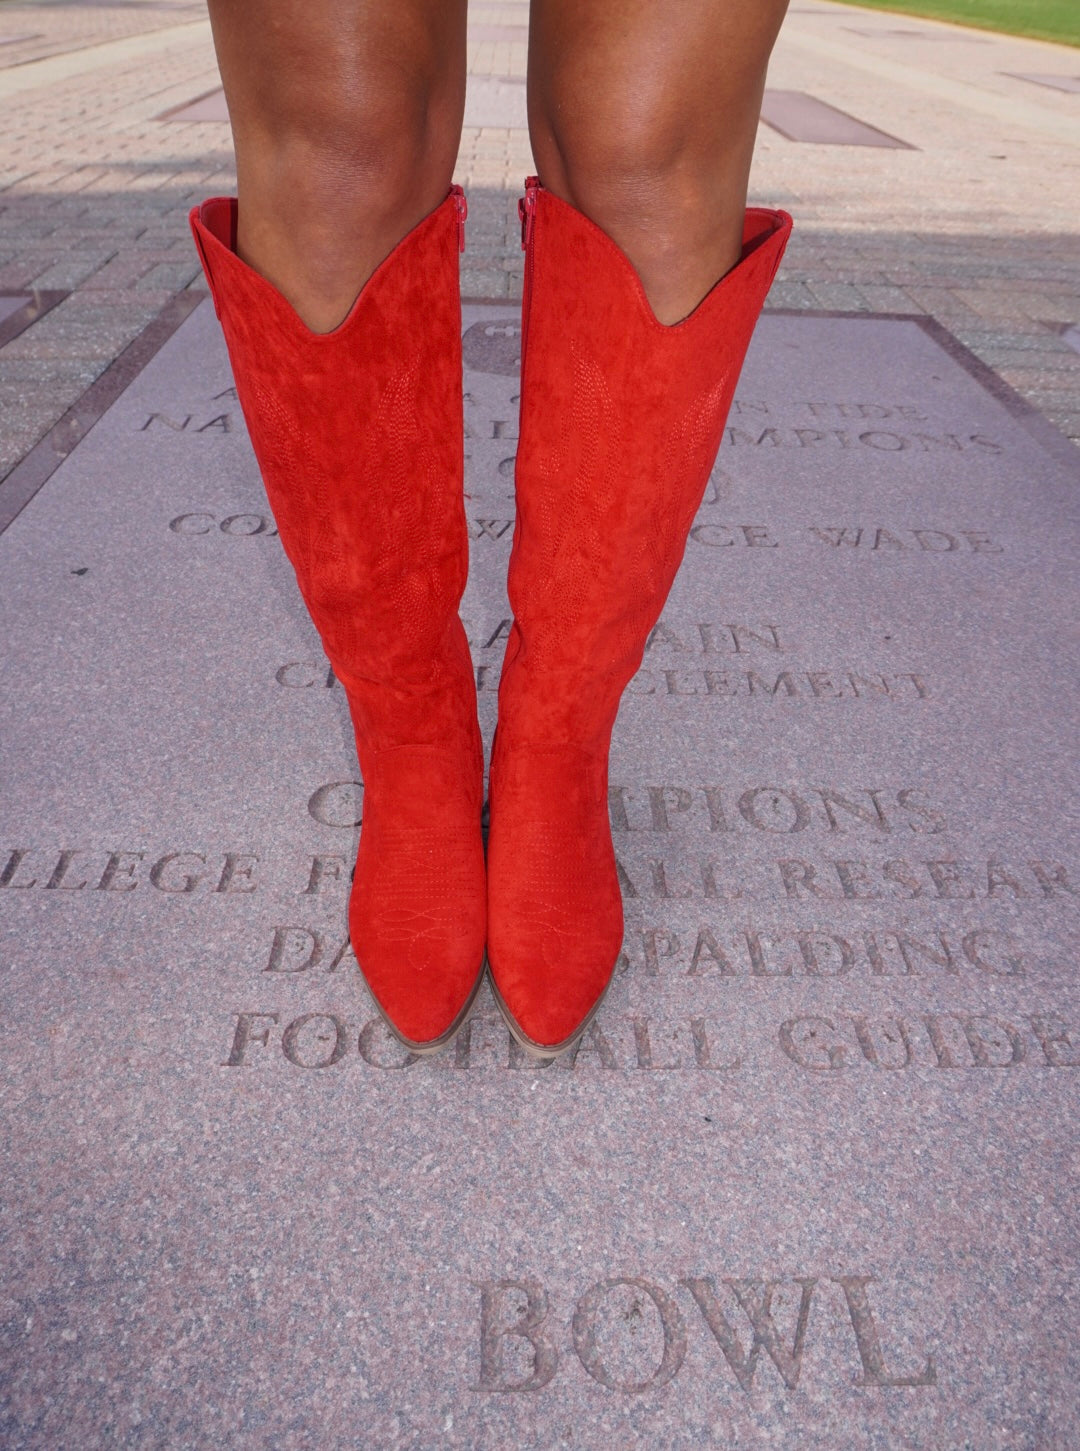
(20, 485)
(37, 304)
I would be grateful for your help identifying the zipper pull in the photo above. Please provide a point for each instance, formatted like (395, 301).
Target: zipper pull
(527, 210)
(462, 207)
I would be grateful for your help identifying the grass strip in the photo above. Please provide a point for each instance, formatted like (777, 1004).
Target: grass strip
(1040, 19)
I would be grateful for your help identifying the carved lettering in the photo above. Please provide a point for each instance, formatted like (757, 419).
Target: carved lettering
(338, 804)
(294, 949)
(11, 869)
(630, 1335)
(755, 1299)
(536, 1357)
(584, 1330)
(245, 1034)
(119, 874)
(868, 1341)
(315, 1040)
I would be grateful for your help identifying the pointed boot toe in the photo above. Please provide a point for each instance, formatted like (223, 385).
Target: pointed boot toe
(417, 909)
(548, 1005)
(555, 909)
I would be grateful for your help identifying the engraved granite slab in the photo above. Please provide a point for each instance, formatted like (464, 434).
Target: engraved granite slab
(808, 1182)
(802, 117)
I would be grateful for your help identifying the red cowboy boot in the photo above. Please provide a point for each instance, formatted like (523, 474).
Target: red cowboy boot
(621, 418)
(358, 433)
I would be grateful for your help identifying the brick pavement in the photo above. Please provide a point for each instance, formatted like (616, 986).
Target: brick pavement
(31, 32)
(977, 226)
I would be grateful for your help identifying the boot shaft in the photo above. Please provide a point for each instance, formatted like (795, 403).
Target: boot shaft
(621, 420)
(358, 435)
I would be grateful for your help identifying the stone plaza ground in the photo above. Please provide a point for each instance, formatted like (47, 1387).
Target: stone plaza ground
(809, 1182)
(973, 221)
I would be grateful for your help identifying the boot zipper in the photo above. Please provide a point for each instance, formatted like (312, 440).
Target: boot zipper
(527, 210)
(527, 213)
(462, 212)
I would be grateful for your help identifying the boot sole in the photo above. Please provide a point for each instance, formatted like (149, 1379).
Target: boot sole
(546, 1052)
(432, 1045)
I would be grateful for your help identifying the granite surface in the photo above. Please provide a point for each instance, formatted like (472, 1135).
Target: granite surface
(809, 1181)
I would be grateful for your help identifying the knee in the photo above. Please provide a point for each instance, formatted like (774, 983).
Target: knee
(636, 177)
(661, 181)
(643, 156)
(657, 192)
(356, 168)
(355, 141)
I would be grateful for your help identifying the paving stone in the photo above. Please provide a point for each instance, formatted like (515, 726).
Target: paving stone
(170, 276)
(1039, 340)
(942, 302)
(94, 327)
(808, 1182)
(122, 271)
(489, 282)
(840, 295)
(1026, 362)
(74, 268)
(26, 268)
(791, 294)
(1051, 396)
(989, 302)
(495, 101)
(884, 297)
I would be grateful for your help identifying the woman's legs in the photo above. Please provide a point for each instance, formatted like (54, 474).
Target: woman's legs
(346, 116)
(643, 116)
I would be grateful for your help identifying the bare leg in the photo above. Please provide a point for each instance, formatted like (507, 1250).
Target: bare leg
(346, 116)
(643, 116)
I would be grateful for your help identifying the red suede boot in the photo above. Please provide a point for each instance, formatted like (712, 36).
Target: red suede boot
(358, 434)
(621, 419)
